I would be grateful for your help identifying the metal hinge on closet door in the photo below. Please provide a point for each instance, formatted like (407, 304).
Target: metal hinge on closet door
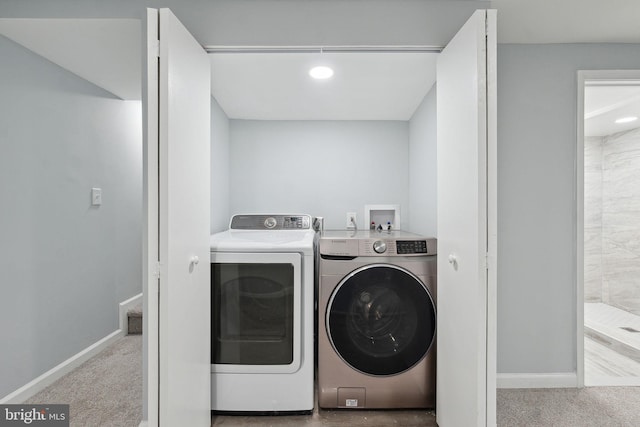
(156, 48)
(156, 275)
(156, 270)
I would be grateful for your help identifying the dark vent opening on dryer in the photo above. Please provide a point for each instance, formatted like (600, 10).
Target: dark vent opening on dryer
(629, 329)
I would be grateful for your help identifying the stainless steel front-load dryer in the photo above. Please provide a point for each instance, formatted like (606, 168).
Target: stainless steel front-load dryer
(376, 320)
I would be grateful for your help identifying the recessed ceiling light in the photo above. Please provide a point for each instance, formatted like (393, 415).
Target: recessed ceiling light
(627, 119)
(321, 72)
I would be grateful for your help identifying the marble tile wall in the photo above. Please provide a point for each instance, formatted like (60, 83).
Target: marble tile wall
(593, 219)
(621, 220)
(612, 220)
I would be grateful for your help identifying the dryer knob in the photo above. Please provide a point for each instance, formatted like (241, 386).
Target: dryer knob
(379, 246)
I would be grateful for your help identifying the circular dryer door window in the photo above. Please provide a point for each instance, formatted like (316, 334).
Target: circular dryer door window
(381, 319)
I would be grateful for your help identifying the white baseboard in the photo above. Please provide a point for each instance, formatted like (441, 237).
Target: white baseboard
(125, 306)
(57, 372)
(552, 380)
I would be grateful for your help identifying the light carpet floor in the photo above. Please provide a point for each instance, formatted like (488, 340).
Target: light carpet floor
(107, 391)
(586, 407)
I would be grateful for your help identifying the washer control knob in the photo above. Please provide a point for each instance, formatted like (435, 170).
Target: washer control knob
(379, 246)
(270, 222)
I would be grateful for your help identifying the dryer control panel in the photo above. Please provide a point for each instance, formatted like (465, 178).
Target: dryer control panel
(270, 222)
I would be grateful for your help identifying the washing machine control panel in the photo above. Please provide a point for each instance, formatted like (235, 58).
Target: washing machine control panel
(391, 247)
(373, 243)
(405, 247)
(379, 246)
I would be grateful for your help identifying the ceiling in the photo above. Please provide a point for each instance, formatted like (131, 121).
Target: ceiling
(105, 52)
(567, 21)
(605, 102)
(365, 86)
(269, 86)
(260, 86)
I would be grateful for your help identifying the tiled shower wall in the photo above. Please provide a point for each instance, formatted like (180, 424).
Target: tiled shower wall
(612, 220)
(593, 219)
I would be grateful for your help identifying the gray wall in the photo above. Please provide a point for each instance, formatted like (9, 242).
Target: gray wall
(323, 168)
(219, 168)
(422, 167)
(64, 265)
(537, 97)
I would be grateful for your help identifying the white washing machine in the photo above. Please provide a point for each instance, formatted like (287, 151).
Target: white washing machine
(377, 320)
(262, 319)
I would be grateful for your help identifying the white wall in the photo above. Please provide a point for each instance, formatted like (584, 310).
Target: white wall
(537, 94)
(64, 264)
(422, 167)
(219, 168)
(323, 168)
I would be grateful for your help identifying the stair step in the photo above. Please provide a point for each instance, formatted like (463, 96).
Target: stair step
(134, 321)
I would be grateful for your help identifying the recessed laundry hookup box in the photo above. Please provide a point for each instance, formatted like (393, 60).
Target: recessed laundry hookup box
(382, 217)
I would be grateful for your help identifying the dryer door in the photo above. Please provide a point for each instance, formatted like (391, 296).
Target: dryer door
(256, 312)
(381, 319)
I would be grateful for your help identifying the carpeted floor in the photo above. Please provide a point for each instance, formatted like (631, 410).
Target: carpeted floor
(107, 391)
(591, 406)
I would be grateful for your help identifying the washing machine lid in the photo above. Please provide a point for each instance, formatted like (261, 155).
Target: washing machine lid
(370, 234)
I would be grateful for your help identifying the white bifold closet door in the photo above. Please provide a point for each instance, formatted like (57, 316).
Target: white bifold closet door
(466, 122)
(177, 170)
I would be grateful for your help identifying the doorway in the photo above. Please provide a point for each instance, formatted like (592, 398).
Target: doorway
(608, 175)
(72, 149)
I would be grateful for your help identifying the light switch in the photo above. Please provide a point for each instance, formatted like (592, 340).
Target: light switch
(96, 196)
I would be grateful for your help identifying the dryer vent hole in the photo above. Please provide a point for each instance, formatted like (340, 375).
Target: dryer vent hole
(629, 329)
